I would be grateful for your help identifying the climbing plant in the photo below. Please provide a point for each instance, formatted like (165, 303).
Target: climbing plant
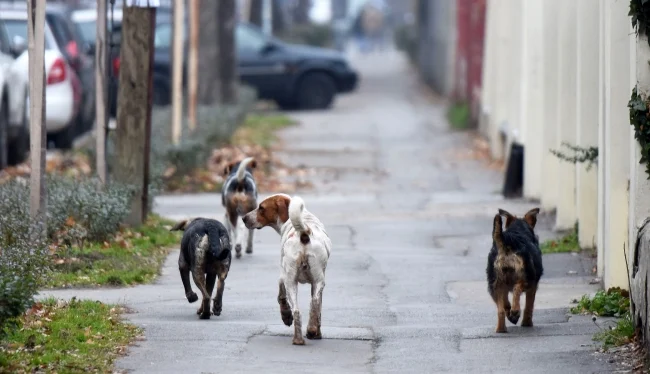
(640, 14)
(580, 155)
(639, 106)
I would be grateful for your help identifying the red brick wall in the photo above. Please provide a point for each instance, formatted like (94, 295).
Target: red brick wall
(469, 51)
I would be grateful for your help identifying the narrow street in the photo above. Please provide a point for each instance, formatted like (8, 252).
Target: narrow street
(410, 221)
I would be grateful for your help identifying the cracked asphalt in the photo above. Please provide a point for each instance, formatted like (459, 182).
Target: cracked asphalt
(410, 222)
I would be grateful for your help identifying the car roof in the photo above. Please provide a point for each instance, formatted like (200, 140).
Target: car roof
(22, 16)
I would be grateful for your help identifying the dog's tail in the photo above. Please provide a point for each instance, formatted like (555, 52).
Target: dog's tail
(216, 244)
(296, 206)
(241, 170)
(497, 235)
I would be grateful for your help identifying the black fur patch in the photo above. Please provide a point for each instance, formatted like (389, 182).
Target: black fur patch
(304, 238)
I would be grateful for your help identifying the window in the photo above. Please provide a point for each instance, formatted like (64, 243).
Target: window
(88, 31)
(249, 38)
(163, 37)
(18, 28)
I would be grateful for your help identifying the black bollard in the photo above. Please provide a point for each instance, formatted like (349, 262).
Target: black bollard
(514, 178)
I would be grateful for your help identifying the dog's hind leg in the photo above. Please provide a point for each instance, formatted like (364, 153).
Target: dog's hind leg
(210, 280)
(184, 269)
(218, 300)
(292, 297)
(249, 241)
(515, 312)
(530, 305)
(285, 309)
(199, 280)
(231, 225)
(313, 327)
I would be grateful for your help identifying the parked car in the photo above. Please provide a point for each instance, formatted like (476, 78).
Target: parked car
(72, 45)
(86, 21)
(63, 88)
(14, 105)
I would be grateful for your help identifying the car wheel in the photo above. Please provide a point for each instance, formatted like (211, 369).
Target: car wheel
(316, 91)
(19, 148)
(4, 127)
(287, 104)
(64, 139)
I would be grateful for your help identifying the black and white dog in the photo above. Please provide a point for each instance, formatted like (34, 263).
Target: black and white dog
(205, 251)
(239, 196)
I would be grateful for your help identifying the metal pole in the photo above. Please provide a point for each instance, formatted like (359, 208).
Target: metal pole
(177, 76)
(101, 117)
(38, 144)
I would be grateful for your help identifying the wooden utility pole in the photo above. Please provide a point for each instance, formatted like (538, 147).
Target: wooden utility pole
(208, 85)
(133, 131)
(193, 64)
(101, 93)
(38, 141)
(267, 15)
(177, 66)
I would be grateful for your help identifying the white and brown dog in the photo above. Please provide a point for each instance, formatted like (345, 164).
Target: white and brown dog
(239, 196)
(303, 257)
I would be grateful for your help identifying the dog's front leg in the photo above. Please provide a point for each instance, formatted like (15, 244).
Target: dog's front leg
(502, 300)
(530, 305)
(515, 312)
(231, 225)
(184, 269)
(313, 327)
(292, 297)
(199, 280)
(249, 243)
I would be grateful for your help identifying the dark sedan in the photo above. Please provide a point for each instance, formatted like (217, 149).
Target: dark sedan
(294, 76)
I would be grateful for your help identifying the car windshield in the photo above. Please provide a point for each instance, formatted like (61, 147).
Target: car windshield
(18, 28)
(248, 38)
(88, 30)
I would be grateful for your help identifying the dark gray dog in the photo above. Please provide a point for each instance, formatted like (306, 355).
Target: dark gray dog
(205, 251)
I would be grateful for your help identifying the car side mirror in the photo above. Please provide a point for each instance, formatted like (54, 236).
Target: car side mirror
(18, 46)
(268, 48)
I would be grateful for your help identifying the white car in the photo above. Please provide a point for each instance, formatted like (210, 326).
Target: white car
(14, 106)
(62, 86)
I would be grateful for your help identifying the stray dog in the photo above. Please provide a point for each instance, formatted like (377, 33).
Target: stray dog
(514, 265)
(205, 251)
(239, 196)
(303, 257)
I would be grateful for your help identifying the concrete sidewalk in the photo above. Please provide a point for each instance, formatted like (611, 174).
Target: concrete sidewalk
(410, 222)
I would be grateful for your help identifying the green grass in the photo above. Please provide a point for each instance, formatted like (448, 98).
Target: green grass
(614, 302)
(133, 256)
(66, 337)
(459, 116)
(568, 243)
(260, 129)
(622, 333)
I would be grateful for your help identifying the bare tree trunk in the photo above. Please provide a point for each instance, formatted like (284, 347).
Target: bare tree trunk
(208, 53)
(256, 12)
(279, 19)
(133, 132)
(193, 64)
(227, 62)
(301, 12)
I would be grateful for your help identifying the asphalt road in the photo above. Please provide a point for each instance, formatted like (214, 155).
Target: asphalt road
(410, 222)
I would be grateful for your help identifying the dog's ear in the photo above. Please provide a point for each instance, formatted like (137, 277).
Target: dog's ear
(180, 226)
(228, 169)
(282, 203)
(509, 217)
(531, 217)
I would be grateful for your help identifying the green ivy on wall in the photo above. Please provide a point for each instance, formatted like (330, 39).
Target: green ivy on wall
(640, 14)
(640, 119)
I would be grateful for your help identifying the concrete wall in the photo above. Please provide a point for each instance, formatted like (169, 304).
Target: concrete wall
(565, 74)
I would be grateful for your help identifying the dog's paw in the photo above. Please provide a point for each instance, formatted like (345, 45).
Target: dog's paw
(313, 333)
(298, 340)
(527, 323)
(501, 330)
(513, 316)
(204, 315)
(249, 249)
(287, 317)
(191, 297)
(238, 251)
(216, 310)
